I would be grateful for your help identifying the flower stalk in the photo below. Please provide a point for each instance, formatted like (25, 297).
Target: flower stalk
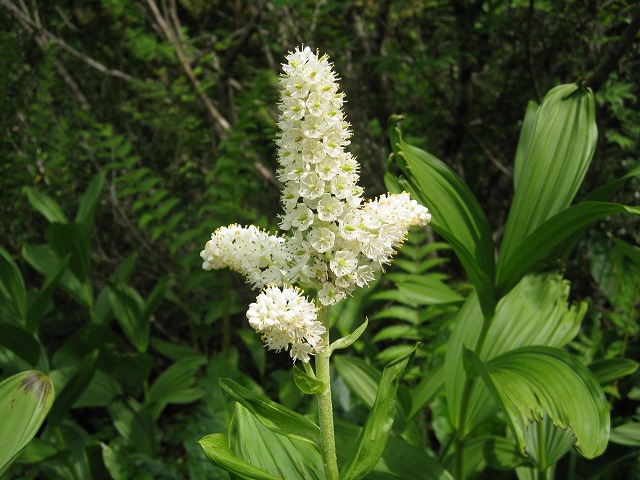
(325, 406)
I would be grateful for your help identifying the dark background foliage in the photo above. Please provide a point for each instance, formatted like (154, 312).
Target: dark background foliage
(175, 100)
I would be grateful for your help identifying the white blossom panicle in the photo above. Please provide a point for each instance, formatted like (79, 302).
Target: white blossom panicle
(260, 257)
(321, 198)
(287, 321)
(334, 240)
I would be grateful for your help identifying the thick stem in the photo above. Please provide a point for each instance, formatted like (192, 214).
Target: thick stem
(464, 406)
(325, 407)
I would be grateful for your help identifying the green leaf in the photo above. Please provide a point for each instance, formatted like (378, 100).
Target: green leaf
(306, 383)
(487, 451)
(88, 202)
(275, 417)
(45, 260)
(46, 205)
(610, 369)
(273, 453)
(540, 305)
(524, 142)
(428, 290)
(128, 307)
(626, 434)
(361, 378)
(456, 213)
(543, 243)
(25, 400)
(546, 443)
(373, 437)
(71, 239)
(400, 460)
(176, 385)
(135, 424)
(39, 304)
(216, 448)
(347, 341)
(553, 159)
(423, 393)
(531, 382)
(19, 342)
(12, 283)
(73, 388)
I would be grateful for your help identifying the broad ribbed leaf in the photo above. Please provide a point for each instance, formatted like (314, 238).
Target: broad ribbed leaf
(610, 369)
(548, 241)
(456, 213)
(547, 444)
(216, 448)
(524, 142)
(128, 308)
(373, 437)
(487, 451)
(25, 400)
(71, 239)
(626, 434)
(20, 342)
(535, 312)
(89, 200)
(400, 460)
(175, 385)
(423, 393)
(277, 454)
(40, 302)
(74, 388)
(12, 283)
(552, 161)
(531, 382)
(272, 415)
(46, 205)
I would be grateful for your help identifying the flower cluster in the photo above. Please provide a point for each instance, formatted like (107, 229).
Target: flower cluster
(336, 241)
(286, 319)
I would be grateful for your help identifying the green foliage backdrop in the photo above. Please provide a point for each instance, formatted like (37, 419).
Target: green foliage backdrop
(131, 129)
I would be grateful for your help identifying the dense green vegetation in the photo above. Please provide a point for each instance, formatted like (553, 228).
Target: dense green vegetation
(131, 130)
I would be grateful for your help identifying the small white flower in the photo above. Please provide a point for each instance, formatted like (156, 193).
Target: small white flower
(287, 320)
(322, 239)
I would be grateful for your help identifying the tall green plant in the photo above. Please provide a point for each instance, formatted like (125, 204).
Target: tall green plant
(508, 334)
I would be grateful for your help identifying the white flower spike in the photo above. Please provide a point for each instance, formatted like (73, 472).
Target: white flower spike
(333, 242)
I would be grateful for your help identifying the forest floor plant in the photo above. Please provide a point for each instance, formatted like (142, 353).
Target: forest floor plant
(505, 351)
(336, 241)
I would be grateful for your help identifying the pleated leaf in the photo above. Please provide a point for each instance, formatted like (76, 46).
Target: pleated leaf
(535, 312)
(25, 400)
(216, 448)
(456, 213)
(89, 200)
(274, 416)
(12, 284)
(375, 433)
(46, 205)
(549, 240)
(175, 385)
(279, 455)
(531, 382)
(552, 161)
(609, 369)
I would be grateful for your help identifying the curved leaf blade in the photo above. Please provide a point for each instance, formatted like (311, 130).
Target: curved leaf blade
(272, 415)
(531, 382)
(553, 234)
(25, 400)
(457, 215)
(217, 450)
(375, 433)
(551, 165)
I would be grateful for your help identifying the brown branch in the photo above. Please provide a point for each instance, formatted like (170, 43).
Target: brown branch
(492, 158)
(170, 34)
(34, 27)
(610, 62)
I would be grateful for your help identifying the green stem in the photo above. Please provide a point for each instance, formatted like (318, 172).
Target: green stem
(461, 435)
(325, 407)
